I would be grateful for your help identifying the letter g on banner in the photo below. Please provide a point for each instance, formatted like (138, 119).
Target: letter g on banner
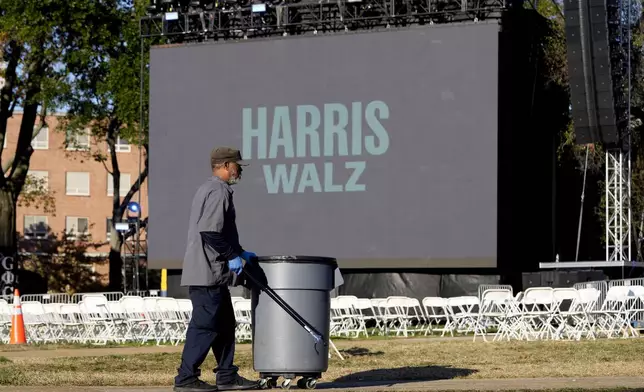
(7, 277)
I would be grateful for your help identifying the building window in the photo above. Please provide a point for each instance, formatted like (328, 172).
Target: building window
(35, 227)
(108, 228)
(41, 140)
(122, 145)
(77, 140)
(76, 227)
(77, 184)
(37, 180)
(124, 185)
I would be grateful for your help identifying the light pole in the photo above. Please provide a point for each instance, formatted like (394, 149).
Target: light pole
(134, 214)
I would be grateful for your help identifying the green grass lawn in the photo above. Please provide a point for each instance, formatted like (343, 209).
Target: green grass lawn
(365, 360)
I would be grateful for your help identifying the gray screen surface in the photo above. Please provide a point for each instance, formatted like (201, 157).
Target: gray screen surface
(378, 148)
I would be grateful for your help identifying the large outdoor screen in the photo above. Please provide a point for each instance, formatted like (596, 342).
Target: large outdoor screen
(376, 148)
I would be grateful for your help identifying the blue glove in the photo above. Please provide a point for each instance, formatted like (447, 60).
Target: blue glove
(247, 256)
(236, 265)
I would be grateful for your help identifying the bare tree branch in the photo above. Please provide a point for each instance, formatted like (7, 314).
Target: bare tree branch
(43, 121)
(13, 106)
(106, 168)
(111, 136)
(7, 98)
(24, 150)
(6, 166)
(140, 180)
(637, 112)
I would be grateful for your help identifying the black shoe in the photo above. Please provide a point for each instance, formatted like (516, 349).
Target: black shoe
(195, 386)
(238, 384)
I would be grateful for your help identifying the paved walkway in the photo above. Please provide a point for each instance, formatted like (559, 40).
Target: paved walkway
(536, 384)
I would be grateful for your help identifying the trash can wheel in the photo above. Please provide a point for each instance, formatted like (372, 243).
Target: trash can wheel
(307, 383)
(286, 383)
(268, 383)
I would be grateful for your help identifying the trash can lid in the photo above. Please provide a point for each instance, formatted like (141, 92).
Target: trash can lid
(298, 259)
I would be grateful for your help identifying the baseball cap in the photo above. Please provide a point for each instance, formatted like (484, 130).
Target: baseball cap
(225, 154)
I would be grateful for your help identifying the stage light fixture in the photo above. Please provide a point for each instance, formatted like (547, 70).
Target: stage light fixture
(258, 8)
(134, 207)
(158, 7)
(171, 15)
(198, 20)
(122, 227)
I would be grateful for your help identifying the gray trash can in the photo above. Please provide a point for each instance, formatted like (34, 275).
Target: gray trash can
(281, 346)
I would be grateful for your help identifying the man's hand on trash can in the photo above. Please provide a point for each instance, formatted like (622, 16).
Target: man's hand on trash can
(236, 265)
(247, 256)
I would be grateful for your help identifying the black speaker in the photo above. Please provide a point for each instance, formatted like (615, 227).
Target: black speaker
(596, 58)
(531, 279)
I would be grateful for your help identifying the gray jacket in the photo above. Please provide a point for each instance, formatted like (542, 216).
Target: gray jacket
(212, 211)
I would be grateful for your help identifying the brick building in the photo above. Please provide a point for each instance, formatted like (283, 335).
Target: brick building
(80, 186)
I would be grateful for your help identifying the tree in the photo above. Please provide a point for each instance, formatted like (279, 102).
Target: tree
(63, 262)
(105, 97)
(572, 157)
(36, 192)
(637, 124)
(37, 40)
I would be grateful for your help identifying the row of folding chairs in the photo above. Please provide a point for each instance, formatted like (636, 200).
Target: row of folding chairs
(97, 320)
(354, 317)
(536, 314)
(401, 316)
(544, 313)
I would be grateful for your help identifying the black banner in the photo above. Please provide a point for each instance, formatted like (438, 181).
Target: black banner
(8, 275)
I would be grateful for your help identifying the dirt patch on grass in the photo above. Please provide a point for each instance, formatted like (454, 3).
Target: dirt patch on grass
(376, 360)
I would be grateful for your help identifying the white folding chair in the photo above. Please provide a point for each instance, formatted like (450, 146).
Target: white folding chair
(5, 321)
(74, 329)
(170, 320)
(139, 321)
(436, 313)
(463, 313)
(537, 312)
(615, 312)
(37, 323)
(368, 313)
(397, 315)
(588, 303)
(567, 313)
(494, 310)
(243, 316)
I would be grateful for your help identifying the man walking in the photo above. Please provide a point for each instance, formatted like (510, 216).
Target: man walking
(212, 261)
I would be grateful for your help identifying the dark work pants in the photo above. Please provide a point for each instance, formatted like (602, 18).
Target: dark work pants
(212, 327)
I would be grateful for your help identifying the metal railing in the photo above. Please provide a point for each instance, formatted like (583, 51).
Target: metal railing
(600, 285)
(484, 287)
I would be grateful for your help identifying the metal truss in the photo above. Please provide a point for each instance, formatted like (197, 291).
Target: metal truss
(618, 160)
(313, 17)
(618, 205)
(135, 250)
